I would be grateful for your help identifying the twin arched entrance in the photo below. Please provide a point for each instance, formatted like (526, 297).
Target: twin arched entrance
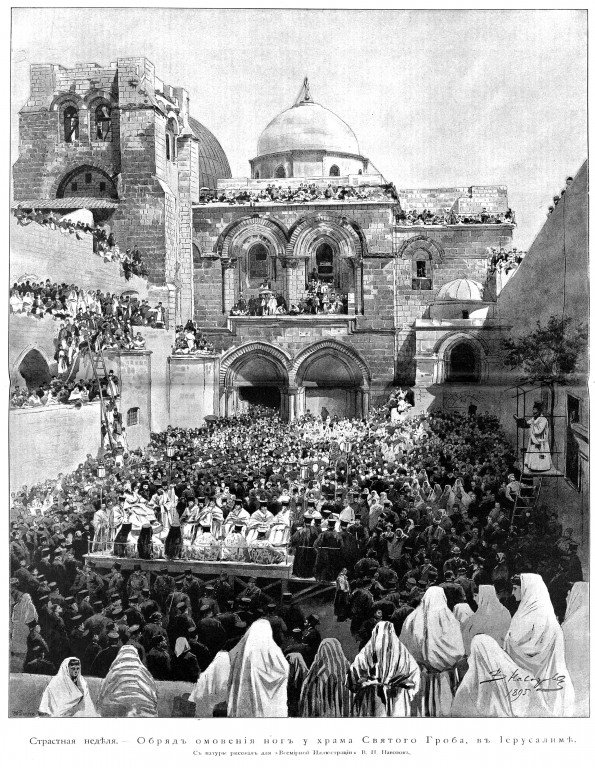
(327, 378)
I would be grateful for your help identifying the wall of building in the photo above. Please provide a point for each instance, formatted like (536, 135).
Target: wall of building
(47, 441)
(63, 258)
(193, 390)
(472, 199)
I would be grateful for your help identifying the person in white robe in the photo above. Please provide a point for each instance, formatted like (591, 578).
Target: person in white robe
(537, 456)
(234, 545)
(22, 613)
(67, 693)
(535, 642)
(384, 678)
(489, 689)
(205, 546)
(101, 529)
(491, 618)
(280, 530)
(128, 689)
(462, 612)
(575, 629)
(432, 635)
(138, 511)
(259, 518)
(211, 688)
(238, 515)
(258, 675)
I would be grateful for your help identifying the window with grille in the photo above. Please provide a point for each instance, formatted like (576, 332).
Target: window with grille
(71, 124)
(132, 417)
(103, 123)
(422, 266)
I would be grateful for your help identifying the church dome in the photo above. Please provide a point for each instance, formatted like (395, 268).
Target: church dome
(307, 126)
(461, 289)
(212, 160)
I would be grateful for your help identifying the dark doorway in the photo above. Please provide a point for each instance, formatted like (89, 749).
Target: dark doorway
(34, 369)
(268, 397)
(572, 453)
(324, 263)
(463, 364)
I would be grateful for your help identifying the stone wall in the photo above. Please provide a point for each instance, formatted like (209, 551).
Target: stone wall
(47, 253)
(193, 390)
(47, 441)
(464, 199)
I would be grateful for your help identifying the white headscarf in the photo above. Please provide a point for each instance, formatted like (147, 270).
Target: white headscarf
(536, 643)
(65, 698)
(462, 612)
(212, 686)
(491, 618)
(575, 628)
(487, 690)
(258, 677)
(182, 645)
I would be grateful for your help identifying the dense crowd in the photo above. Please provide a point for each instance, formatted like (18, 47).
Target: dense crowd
(303, 193)
(191, 341)
(104, 243)
(501, 260)
(411, 521)
(427, 218)
(320, 298)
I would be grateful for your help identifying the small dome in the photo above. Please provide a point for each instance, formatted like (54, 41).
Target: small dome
(307, 126)
(461, 289)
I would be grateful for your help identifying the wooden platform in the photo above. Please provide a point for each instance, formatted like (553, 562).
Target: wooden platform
(279, 573)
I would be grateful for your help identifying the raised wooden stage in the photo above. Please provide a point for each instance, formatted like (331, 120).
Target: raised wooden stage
(279, 574)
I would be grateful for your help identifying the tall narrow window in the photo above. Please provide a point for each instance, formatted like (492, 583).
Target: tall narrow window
(71, 124)
(422, 271)
(103, 123)
(334, 171)
(171, 150)
(258, 257)
(132, 417)
(325, 263)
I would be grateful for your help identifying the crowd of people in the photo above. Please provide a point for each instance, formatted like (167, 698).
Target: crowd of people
(320, 298)
(191, 341)
(410, 520)
(428, 218)
(501, 260)
(303, 193)
(104, 243)
(558, 198)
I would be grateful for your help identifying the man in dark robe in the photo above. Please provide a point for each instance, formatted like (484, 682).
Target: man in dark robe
(328, 554)
(302, 543)
(159, 659)
(106, 657)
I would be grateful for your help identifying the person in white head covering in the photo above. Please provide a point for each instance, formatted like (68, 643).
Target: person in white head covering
(22, 613)
(575, 628)
(535, 642)
(491, 618)
(212, 686)
(432, 635)
(259, 674)
(67, 693)
(324, 692)
(384, 678)
(462, 612)
(489, 688)
(128, 689)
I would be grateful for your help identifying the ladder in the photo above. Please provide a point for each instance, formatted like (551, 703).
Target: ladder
(100, 371)
(528, 497)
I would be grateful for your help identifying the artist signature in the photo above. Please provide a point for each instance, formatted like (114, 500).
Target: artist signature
(519, 684)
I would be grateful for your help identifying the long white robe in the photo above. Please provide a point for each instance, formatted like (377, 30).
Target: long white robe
(535, 641)
(489, 688)
(432, 635)
(575, 629)
(64, 698)
(23, 612)
(491, 618)
(258, 676)
(537, 456)
(212, 686)
(129, 685)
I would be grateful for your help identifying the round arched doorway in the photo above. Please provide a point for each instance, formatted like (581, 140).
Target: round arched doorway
(255, 379)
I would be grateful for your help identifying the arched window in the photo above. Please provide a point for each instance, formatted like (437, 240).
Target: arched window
(171, 148)
(103, 123)
(258, 262)
(280, 172)
(422, 271)
(463, 364)
(71, 124)
(325, 263)
(132, 417)
(34, 369)
(334, 171)
(257, 175)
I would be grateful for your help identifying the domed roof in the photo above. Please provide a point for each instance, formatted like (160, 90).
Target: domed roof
(307, 125)
(212, 160)
(461, 289)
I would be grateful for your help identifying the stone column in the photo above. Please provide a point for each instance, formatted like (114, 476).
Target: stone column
(300, 402)
(359, 404)
(292, 403)
(365, 403)
(357, 268)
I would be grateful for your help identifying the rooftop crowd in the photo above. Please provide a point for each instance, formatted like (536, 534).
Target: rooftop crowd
(191, 341)
(427, 218)
(303, 193)
(501, 260)
(411, 521)
(104, 243)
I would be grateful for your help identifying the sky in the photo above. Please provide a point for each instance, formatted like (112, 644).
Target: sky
(435, 98)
